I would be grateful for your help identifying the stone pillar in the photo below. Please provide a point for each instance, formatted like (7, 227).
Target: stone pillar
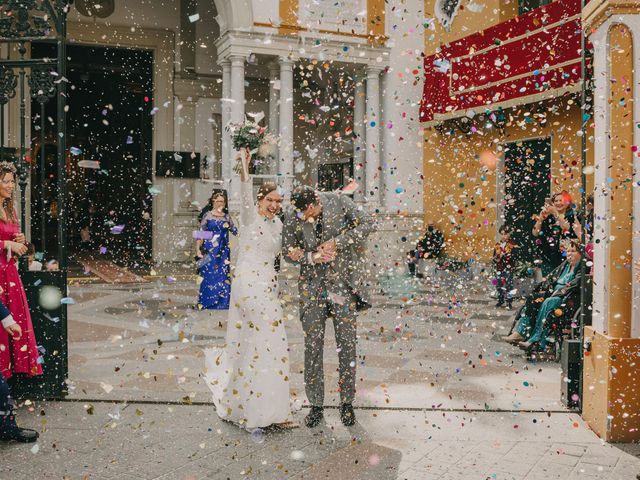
(285, 165)
(610, 403)
(387, 104)
(359, 141)
(372, 175)
(274, 114)
(237, 116)
(225, 110)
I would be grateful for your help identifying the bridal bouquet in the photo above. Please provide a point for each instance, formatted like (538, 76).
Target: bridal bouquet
(254, 139)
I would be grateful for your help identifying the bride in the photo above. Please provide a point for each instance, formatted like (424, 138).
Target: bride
(249, 376)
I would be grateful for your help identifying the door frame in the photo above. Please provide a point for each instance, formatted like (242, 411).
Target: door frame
(161, 43)
(500, 189)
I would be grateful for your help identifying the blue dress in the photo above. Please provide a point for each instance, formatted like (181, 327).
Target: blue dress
(215, 288)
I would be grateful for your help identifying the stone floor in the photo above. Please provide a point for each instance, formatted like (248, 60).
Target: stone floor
(91, 440)
(419, 347)
(438, 398)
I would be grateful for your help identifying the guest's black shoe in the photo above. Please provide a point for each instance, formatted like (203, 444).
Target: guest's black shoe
(10, 431)
(347, 415)
(499, 304)
(315, 416)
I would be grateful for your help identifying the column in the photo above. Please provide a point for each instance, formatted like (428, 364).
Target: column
(372, 175)
(620, 195)
(359, 141)
(274, 114)
(285, 165)
(225, 108)
(387, 199)
(237, 116)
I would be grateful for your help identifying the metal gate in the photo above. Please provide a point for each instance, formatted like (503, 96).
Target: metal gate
(38, 81)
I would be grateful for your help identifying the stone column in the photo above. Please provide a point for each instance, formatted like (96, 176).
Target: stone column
(274, 114)
(359, 141)
(387, 105)
(285, 165)
(225, 110)
(372, 176)
(237, 116)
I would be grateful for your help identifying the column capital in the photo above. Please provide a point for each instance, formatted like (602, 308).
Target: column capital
(225, 63)
(236, 59)
(374, 71)
(285, 63)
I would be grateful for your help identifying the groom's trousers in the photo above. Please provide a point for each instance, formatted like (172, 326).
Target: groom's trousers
(314, 315)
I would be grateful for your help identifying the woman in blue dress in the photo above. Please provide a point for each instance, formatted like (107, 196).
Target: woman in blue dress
(212, 250)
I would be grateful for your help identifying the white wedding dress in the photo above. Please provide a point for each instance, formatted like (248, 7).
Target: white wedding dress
(249, 376)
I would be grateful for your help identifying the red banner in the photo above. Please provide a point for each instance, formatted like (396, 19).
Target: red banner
(525, 56)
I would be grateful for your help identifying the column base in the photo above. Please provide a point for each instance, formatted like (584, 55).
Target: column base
(611, 400)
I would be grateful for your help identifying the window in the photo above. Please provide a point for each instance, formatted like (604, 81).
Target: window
(525, 6)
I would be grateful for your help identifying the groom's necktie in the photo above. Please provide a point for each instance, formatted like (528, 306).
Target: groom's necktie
(318, 228)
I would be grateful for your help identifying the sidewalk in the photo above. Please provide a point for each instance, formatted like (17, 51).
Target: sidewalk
(141, 441)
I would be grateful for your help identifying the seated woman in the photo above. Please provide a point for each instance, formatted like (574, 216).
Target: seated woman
(562, 280)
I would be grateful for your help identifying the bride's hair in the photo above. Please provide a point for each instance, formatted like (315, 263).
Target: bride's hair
(265, 189)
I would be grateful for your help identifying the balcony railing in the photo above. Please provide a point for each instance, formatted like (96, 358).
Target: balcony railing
(528, 58)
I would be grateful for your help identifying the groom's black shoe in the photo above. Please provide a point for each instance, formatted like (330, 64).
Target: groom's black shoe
(315, 416)
(347, 415)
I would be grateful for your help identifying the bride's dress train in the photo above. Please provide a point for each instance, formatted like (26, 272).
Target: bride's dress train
(249, 376)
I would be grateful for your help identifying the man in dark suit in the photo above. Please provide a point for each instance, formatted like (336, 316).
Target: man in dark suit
(329, 232)
(9, 430)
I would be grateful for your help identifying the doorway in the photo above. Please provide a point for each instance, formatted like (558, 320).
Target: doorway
(527, 184)
(334, 176)
(108, 161)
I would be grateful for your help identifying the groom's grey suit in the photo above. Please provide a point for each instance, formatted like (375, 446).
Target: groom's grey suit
(333, 289)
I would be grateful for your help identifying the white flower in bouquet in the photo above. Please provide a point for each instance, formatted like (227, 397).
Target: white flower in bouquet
(267, 148)
(250, 138)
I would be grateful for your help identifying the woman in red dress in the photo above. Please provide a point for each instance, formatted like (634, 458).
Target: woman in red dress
(16, 355)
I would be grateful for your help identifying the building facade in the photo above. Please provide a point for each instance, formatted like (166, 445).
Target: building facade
(503, 119)
(338, 82)
(502, 80)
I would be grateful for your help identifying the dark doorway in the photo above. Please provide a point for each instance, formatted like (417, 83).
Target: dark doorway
(526, 186)
(334, 176)
(109, 140)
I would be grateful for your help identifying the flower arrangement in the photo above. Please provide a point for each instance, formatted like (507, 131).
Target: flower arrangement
(253, 138)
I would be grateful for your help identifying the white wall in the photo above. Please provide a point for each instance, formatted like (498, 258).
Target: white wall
(266, 11)
(401, 93)
(207, 32)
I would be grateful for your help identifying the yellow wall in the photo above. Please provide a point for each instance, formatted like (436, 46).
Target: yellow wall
(454, 178)
(611, 399)
(467, 22)
(621, 162)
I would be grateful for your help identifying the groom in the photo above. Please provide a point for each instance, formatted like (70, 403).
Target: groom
(326, 234)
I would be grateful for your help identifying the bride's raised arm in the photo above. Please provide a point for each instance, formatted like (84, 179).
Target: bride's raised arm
(247, 208)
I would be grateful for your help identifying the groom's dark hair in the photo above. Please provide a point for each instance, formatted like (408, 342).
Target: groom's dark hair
(302, 197)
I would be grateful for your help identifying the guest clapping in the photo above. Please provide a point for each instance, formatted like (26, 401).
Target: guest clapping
(553, 225)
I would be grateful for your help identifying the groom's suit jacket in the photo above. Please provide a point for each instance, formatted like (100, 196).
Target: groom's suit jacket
(349, 226)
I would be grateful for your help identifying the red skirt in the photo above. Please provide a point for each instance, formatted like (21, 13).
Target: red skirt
(17, 356)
